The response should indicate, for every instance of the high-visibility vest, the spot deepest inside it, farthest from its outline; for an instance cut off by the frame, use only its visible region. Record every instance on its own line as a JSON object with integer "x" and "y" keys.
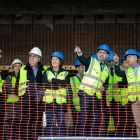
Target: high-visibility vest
{"x": 61, "y": 94}
{"x": 111, "y": 126}
{"x": 1, "y": 83}
{"x": 93, "y": 78}
{"x": 12, "y": 97}
{"x": 133, "y": 84}
{"x": 23, "y": 80}
{"x": 75, "y": 84}
{"x": 113, "y": 93}
{"x": 124, "y": 92}
{"x": 124, "y": 95}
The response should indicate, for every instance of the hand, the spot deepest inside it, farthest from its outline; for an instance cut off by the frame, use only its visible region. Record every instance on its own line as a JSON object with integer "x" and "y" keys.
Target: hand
{"x": 115, "y": 86}
{"x": 101, "y": 89}
{"x": 50, "y": 81}
{"x": 116, "y": 58}
{"x": 77, "y": 49}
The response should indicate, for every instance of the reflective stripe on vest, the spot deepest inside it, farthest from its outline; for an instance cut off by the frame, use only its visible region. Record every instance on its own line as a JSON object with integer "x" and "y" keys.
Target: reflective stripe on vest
{"x": 12, "y": 97}
{"x": 60, "y": 94}
{"x": 23, "y": 80}
{"x": 75, "y": 83}
{"x": 93, "y": 78}
{"x": 133, "y": 84}
{"x": 54, "y": 94}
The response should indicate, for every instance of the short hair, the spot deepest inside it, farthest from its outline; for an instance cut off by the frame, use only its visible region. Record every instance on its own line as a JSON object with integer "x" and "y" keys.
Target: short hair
{"x": 60, "y": 65}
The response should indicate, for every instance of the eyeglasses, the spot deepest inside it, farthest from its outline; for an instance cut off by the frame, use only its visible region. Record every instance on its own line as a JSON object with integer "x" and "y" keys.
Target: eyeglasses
{"x": 34, "y": 56}
{"x": 102, "y": 52}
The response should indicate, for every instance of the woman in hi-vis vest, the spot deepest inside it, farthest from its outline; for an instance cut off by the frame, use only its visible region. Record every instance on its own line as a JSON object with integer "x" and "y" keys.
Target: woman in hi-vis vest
{"x": 12, "y": 114}
{"x": 55, "y": 80}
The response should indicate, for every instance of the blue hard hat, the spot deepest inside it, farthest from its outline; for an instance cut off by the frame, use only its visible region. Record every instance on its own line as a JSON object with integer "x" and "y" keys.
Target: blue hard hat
{"x": 131, "y": 52}
{"x": 94, "y": 56}
{"x": 104, "y": 47}
{"x": 123, "y": 58}
{"x": 78, "y": 63}
{"x": 139, "y": 54}
{"x": 111, "y": 56}
{"x": 58, "y": 54}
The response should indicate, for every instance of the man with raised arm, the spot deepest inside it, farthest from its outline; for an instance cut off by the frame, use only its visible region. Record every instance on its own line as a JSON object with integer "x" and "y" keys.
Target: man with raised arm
{"x": 95, "y": 75}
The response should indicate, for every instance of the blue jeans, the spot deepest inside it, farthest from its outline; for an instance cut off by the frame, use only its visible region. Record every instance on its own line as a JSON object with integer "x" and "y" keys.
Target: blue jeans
{"x": 90, "y": 109}
{"x": 60, "y": 117}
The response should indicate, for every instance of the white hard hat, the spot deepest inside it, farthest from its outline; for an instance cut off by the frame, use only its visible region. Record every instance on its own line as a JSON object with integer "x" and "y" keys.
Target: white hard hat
{"x": 1, "y": 50}
{"x": 36, "y": 50}
{"x": 16, "y": 61}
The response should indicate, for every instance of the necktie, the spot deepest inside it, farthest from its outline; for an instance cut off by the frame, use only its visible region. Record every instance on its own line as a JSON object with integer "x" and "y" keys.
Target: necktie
{"x": 101, "y": 64}
{"x": 112, "y": 73}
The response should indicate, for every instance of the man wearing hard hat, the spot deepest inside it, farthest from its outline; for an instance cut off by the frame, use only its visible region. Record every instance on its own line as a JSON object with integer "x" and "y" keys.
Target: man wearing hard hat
{"x": 12, "y": 114}
{"x": 30, "y": 79}
{"x": 116, "y": 104}
{"x": 95, "y": 75}
{"x": 74, "y": 88}
{"x": 132, "y": 74}
{"x": 2, "y": 105}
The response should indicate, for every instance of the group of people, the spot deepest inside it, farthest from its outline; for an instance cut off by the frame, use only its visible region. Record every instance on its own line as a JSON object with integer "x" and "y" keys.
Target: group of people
{"x": 102, "y": 83}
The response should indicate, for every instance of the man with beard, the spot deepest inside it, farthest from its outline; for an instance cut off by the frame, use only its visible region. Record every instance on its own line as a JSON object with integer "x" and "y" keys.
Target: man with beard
{"x": 95, "y": 75}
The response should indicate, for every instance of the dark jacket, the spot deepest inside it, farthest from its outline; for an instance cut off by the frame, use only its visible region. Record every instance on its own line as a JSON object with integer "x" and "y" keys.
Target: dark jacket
{"x": 119, "y": 72}
{"x": 84, "y": 61}
{"x": 121, "y": 84}
{"x": 56, "y": 83}
{"x": 35, "y": 83}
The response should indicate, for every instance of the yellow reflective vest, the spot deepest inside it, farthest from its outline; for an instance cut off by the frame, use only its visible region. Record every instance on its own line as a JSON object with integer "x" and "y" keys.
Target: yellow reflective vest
{"x": 1, "y": 83}
{"x": 133, "y": 84}
{"x": 61, "y": 94}
{"x": 93, "y": 78}
{"x": 75, "y": 84}
{"x": 124, "y": 92}
{"x": 113, "y": 93}
{"x": 23, "y": 80}
{"x": 111, "y": 126}
{"x": 12, "y": 97}
{"x": 124, "y": 95}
